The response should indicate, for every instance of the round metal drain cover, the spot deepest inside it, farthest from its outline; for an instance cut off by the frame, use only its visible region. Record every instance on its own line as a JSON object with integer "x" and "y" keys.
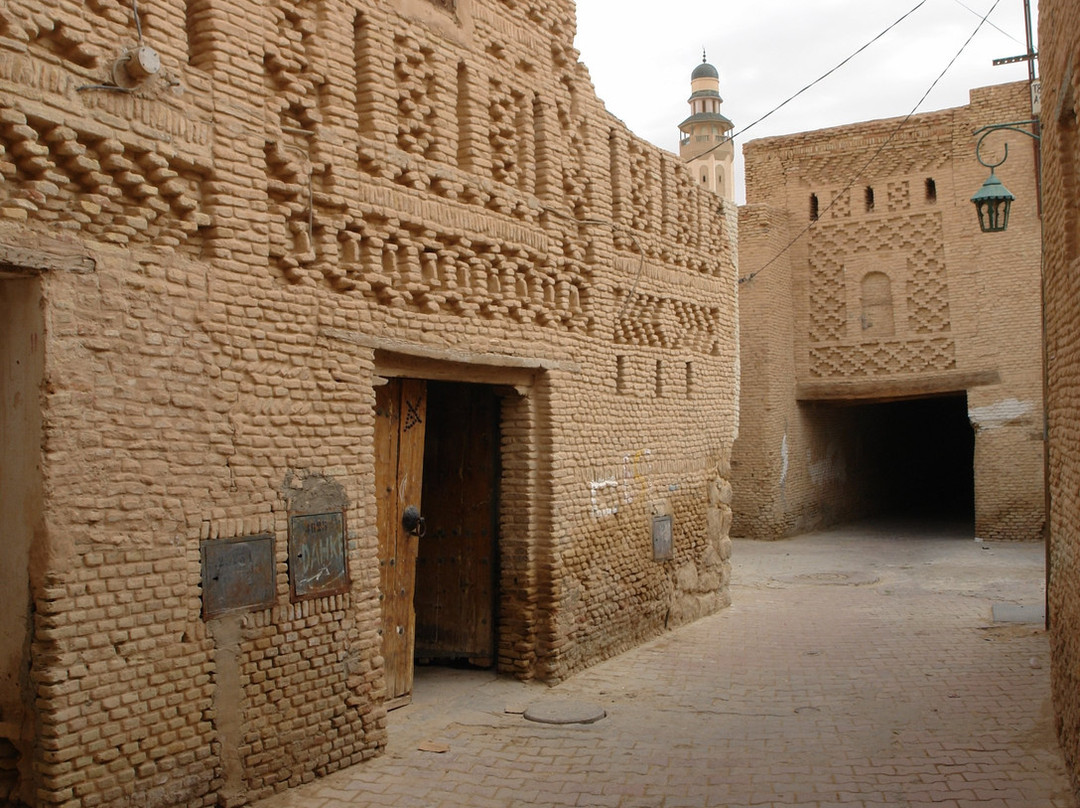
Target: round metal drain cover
{"x": 564, "y": 712}
{"x": 824, "y": 577}
{"x": 836, "y": 578}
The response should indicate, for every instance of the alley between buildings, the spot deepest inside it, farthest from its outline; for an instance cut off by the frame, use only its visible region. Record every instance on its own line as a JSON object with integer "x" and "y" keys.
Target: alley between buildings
{"x": 872, "y": 665}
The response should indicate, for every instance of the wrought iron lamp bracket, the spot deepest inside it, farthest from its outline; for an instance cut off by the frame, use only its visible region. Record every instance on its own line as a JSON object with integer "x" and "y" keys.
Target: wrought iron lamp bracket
{"x": 986, "y": 131}
{"x": 993, "y": 200}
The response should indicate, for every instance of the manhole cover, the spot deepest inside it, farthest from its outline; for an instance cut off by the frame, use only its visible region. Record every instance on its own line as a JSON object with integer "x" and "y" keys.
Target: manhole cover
{"x": 824, "y": 577}
{"x": 834, "y": 578}
{"x": 564, "y": 712}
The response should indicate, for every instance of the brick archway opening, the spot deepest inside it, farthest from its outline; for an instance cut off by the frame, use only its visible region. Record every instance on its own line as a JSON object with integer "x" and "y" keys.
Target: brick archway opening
{"x": 923, "y": 461}
{"x": 909, "y": 459}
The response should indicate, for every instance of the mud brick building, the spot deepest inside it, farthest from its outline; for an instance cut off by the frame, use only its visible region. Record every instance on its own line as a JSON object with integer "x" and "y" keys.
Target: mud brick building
{"x": 1059, "y": 46}
{"x": 332, "y": 335}
{"x": 891, "y": 359}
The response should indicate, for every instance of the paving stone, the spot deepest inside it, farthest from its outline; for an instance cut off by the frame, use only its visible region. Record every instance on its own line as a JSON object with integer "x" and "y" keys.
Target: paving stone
{"x": 883, "y": 687}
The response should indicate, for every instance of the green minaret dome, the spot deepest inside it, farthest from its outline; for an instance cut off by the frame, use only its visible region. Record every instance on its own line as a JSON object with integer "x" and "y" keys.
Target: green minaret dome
{"x": 705, "y": 71}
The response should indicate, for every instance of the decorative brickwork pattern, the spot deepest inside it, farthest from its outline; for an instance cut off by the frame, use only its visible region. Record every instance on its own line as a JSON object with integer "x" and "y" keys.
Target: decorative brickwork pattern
{"x": 834, "y": 264}
{"x": 883, "y": 358}
{"x": 917, "y": 149}
{"x": 123, "y": 192}
{"x": 292, "y": 83}
{"x": 840, "y": 207}
{"x": 455, "y": 275}
{"x": 415, "y": 69}
{"x": 208, "y": 274}
{"x": 669, "y": 324}
{"x": 643, "y": 203}
{"x": 890, "y": 294}
{"x": 899, "y": 196}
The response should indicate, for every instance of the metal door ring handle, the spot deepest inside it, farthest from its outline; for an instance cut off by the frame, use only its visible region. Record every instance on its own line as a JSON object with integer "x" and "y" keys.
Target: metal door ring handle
{"x": 413, "y": 522}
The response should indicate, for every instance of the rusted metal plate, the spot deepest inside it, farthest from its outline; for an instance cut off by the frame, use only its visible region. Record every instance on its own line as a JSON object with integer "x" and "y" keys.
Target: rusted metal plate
{"x": 317, "y": 564}
{"x": 237, "y": 574}
{"x": 662, "y": 542}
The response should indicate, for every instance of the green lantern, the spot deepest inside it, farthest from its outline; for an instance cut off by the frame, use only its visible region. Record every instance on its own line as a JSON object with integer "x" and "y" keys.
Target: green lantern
{"x": 992, "y": 201}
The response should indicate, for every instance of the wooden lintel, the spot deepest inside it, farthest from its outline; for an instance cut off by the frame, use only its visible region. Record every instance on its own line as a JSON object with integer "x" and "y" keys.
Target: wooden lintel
{"x": 405, "y": 359}
{"x": 894, "y": 389}
{"x": 24, "y": 261}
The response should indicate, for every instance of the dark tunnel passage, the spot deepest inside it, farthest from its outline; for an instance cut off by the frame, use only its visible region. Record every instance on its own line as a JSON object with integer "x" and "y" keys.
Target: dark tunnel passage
{"x": 926, "y": 451}
{"x": 911, "y": 459}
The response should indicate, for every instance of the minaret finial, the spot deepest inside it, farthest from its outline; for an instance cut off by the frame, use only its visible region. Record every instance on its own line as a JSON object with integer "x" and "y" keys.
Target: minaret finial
{"x": 703, "y": 58}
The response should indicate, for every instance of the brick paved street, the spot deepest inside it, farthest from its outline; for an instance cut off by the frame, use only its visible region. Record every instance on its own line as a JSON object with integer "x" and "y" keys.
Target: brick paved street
{"x": 859, "y": 667}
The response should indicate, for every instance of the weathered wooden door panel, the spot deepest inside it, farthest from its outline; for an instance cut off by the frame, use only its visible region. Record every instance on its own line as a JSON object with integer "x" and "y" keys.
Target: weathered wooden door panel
{"x": 400, "y": 422}
{"x": 455, "y": 603}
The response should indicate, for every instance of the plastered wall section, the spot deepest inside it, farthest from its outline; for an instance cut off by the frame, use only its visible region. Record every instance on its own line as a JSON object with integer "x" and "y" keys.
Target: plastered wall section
{"x": 890, "y": 202}
{"x": 229, "y": 253}
{"x": 1059, "y": 44}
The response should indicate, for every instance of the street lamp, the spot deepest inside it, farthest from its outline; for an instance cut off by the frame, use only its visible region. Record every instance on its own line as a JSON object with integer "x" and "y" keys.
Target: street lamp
{"x": 993, "y": 200}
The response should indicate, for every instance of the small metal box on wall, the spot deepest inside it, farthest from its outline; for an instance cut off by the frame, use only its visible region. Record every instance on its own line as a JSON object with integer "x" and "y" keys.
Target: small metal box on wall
{"x": 662, "y": 540}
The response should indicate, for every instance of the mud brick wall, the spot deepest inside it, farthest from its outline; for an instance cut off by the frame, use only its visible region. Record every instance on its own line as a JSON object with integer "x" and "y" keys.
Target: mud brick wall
{"x": 206, "y": 270}
{"x": 1059, "y": 44}
{"x": 880, "y": 212}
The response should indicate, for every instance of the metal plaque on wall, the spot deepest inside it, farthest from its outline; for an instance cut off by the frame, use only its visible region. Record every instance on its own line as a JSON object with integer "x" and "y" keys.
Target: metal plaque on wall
{"x": 662, "y": 543}
{"x": 317, "y": 555}
{"x": 237, "y": 574}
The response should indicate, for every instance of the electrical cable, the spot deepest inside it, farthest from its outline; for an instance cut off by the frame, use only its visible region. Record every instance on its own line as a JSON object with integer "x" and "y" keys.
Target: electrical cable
{"x": 997, "y": 28}
{"x": 815, "y": 82}
{"x": 138, "y": 22}
{"x": 892, "y": 136}
{"x": 116, "y": 87}
{"x": 113, "y": 88}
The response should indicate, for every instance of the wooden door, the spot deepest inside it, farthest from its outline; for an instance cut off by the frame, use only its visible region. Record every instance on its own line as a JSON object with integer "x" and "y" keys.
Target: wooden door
{"x": 400, "y": 423}
{"x": 456, "y": 568}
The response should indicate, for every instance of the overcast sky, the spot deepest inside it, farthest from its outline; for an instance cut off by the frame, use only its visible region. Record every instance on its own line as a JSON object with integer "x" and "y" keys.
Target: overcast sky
{"x": 640, "y": 54}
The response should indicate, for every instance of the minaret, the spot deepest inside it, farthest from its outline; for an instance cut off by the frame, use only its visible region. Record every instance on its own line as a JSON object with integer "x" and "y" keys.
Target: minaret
{"x": 704, "y": 140}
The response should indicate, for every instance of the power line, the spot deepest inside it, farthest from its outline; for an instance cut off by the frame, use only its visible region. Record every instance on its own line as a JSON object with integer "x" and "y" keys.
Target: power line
{"x": 992, "y": 25}
{"x": 815, "y": 82}
{"x": 876, "y": 154}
